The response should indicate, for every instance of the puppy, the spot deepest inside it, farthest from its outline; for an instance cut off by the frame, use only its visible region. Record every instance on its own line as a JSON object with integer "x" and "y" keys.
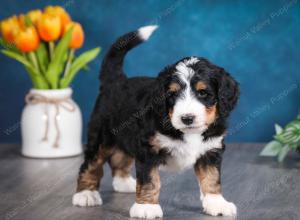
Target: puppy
{"x": 174, "y": 121}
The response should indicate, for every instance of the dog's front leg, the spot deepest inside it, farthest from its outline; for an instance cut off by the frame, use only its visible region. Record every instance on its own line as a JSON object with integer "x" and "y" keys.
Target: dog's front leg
{"x": 147, "y": 192}
{"x": 207, "y": 169}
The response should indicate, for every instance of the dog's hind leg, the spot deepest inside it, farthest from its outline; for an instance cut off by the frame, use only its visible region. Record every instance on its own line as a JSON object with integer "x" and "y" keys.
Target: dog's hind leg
{"x": 89, "y": 179}
{"x": 121, "y": 165}
{"x": 91, "y": 171}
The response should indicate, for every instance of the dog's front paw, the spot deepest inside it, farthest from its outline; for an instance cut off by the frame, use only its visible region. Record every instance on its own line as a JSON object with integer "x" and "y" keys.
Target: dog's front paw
{"x": 124, "y": 184}
{"x": 215, "y": 204}
{"x": 87, "y": 198}
{"x": 147, "y": 211}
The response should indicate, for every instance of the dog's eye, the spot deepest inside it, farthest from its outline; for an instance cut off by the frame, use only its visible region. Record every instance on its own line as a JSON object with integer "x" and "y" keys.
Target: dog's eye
{"x": 172, "y": 93}
{"x": 202, "y": 93}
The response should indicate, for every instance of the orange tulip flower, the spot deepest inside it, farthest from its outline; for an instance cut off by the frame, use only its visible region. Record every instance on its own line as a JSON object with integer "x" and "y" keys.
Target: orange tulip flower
{"x": 27, "y": 39}
{"x": 21, "y": 20}
{"x": 65, "y": 18}
{"x": 77, "y": 35}
{"x": 35, "y": 16}
{"x": 49, "y": 27}
{"x": 9, "y": 28}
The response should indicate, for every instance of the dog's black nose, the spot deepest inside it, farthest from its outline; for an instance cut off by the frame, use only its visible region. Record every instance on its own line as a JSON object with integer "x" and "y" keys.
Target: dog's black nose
{"x": 187, "y": 119}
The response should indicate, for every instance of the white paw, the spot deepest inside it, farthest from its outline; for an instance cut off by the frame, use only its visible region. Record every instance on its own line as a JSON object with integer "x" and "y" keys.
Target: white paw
{"x": 148, "y": 211}
{"x": 215, "y": 204}
{"x": 87, "y": 198}
{"x": 201, "y": 195}
{"x": 124, "y": 184}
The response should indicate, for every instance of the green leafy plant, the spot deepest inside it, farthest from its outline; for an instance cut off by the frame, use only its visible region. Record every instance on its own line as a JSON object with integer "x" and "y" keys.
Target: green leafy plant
{"x": 285, "y": 139}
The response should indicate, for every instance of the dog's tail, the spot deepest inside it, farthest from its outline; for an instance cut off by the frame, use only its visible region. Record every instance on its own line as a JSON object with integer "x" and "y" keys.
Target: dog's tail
{"x": 112, "y": 65}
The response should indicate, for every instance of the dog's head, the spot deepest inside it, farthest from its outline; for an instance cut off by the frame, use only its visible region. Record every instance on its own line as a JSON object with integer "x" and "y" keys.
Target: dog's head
{"x": 195, "y": 94}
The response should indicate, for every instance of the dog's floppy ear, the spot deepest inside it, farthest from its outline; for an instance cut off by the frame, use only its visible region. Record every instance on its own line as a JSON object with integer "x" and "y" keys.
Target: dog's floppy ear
{"x": 228, "y": 93}
{"x": 160, "y": 94}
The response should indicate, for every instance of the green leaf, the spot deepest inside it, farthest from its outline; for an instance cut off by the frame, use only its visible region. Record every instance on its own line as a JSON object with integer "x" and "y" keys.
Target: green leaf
{"x": 56, "y": 65}
{"x": 291, "y": 133}
{"x": 38, "y": 81}
{"x": 278, "y": 129}
{"x": 279, "y": 138}
{"x": 42, "y": 56}
{"x": 271, "y": 149}
{"x": 9, "y": 46}
{"x": 294, "y": 125}
{"x": 82, "y": 61}
{"x": 17, "y": 57}
{"x": 86, "y": 68}
{"x": 283, "y": 152}
{"x": 79, "y": 63}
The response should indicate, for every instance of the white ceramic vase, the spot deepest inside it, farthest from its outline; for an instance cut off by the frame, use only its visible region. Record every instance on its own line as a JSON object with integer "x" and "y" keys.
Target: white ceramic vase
{"x": 51, "y": 124}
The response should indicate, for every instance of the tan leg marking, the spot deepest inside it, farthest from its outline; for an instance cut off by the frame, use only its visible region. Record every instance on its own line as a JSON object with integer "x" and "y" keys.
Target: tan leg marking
{"x": 149, "y": 192}
{"x": 89, "y": 179}
{"x": 209, "y": 179}
{"x": 155, "y": 143}
{"x": 213, "y": 202}
{"x": 120, "y": 164}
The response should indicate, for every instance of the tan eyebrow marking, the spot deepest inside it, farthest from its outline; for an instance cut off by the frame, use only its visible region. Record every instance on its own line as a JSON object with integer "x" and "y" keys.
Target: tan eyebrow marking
{"x": 174, "y": 87}
{"x": 200, "y": 85}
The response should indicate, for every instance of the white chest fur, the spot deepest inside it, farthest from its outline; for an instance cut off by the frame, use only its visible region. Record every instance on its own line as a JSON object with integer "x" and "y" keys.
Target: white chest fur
{"x": 184, "y": 153}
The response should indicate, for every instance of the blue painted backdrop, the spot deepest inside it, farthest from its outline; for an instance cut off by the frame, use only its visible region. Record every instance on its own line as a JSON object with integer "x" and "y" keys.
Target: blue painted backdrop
{"x": 258, "y": 42}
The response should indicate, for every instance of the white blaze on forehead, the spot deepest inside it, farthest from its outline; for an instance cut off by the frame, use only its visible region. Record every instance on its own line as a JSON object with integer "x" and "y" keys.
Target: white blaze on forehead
{"x": 191, "y": 61}
{"x": 184, "y": 71}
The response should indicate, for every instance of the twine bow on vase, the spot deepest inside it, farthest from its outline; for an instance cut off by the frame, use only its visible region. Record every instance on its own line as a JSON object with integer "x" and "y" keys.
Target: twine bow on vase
{"x": 65, "y": 103}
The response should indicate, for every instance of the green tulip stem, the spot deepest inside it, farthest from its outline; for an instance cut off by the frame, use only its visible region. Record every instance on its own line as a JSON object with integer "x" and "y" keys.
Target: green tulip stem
{"x": 33, "y": 59}
{"x": 69, "y": 62}
{"x": 38, "y": 81}
{"x": 51, "y": 49}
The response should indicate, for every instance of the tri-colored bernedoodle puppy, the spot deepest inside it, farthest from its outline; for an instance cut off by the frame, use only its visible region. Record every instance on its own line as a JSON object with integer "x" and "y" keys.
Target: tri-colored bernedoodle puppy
{"x": 174, "y": 121}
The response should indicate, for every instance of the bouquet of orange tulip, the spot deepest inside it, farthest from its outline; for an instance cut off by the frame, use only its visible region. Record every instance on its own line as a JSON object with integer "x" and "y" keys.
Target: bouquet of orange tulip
{"x": 45, "y": 43}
